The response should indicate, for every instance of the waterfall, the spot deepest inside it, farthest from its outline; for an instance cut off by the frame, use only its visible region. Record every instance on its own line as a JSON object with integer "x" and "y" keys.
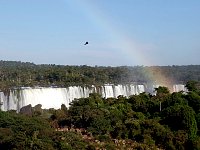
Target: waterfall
{"x": 55, "y": 97}
{"x": 179, "y": 87}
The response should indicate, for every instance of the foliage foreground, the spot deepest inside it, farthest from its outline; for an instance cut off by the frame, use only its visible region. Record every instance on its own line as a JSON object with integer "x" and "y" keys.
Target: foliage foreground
{"x": 163, "y": 121}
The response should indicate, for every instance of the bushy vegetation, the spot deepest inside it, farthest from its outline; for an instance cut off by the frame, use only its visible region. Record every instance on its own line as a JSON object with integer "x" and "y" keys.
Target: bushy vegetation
{"x": 164, "y": 121}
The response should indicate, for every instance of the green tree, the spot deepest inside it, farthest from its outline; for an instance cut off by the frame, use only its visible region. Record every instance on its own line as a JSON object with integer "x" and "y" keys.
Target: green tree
{"x": 193, "y": 101}
{"x": 181, "y": 117}
{"x": 192, "y": 86}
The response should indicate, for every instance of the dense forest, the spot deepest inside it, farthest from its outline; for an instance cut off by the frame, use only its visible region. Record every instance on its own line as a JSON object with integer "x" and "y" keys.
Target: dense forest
{"x": 166, "y": 120}
{"x": 18, "y": 74}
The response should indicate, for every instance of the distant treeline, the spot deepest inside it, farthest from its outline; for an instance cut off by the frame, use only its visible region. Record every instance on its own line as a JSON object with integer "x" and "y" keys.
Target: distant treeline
{"x": 18, "y": 74}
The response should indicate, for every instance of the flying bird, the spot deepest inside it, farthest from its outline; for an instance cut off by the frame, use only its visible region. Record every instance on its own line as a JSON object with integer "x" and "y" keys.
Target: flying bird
{"x": 86, "y": 43}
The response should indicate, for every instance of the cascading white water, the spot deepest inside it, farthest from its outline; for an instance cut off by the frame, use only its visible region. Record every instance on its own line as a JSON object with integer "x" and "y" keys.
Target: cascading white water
{"x": 55, "y": 97}
{"x": 179, "y": 87}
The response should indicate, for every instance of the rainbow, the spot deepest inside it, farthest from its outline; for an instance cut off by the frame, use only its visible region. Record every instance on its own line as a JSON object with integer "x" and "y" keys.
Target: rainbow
{"x": 128, "y": 46}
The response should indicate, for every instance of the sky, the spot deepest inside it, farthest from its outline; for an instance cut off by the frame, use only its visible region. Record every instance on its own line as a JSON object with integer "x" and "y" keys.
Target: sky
{"x": 119, "y": 32}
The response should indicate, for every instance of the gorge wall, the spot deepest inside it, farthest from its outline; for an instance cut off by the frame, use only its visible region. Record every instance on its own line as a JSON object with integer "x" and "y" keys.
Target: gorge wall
{"x": 55, "y": 97}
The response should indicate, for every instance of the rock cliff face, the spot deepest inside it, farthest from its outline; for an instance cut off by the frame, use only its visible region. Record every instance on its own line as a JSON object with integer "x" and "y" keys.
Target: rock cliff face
{"x": 55, "y": 97}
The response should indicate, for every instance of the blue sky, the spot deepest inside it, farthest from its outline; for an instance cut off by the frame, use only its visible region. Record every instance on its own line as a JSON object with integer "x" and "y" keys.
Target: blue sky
{"x": 119, "y": 32}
